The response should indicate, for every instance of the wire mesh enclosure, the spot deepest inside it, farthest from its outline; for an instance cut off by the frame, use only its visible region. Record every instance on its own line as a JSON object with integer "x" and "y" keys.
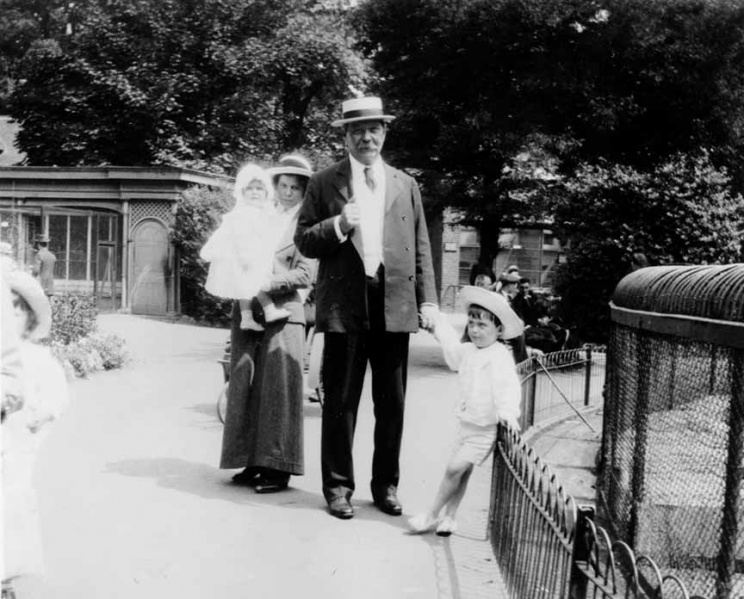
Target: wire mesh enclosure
{"x": 673, "y": 442}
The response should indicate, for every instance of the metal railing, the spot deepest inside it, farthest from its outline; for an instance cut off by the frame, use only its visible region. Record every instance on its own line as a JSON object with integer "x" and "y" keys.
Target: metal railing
{"x": 558, "y": 384}
{"x": 547, "y": 547}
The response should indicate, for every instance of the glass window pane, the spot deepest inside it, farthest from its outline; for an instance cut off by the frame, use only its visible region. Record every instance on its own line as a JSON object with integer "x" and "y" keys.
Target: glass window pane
{"x": 78, "y": 247}
{"x": 58, "y": 243}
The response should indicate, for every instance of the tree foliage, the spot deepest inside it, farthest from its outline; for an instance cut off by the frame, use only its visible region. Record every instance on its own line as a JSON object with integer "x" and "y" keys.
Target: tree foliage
{"x": 199, "y": 83}
{"x": 479, "y": 83}
{"x": 683, "y": 211}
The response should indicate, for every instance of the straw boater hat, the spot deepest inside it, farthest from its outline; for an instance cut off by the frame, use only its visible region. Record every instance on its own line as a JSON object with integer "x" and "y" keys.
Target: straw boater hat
{"x": 42, "y": 238}
{"x": 496, "y": 304}
{"x": 293, "y": 164}
{"x": 362, "y": 109}
{"x": 30, "y": 290}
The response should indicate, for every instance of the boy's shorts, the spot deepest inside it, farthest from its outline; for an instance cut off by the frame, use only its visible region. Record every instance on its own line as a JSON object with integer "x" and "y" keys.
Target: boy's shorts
{"x": 474, "y": 443}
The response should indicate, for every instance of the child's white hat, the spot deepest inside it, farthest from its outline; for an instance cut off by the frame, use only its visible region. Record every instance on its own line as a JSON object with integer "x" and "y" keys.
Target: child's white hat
{"x": 497, "y": 305}
{"x": 30, "y": 290}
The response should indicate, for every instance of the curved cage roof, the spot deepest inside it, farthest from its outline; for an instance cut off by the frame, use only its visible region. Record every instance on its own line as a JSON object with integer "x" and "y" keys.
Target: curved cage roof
{"x": 711, "y": 292}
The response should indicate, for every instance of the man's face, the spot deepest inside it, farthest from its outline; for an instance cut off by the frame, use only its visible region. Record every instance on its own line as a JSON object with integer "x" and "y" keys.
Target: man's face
{"x": 524, "y": 288}
{"x": 365, "y": 139}
{"x": 509, "y": 290}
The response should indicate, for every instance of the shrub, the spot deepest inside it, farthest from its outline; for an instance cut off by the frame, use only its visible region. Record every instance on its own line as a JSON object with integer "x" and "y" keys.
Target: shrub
{"x": 683, "y": 211}
{"x": 198, "y": 214}
{"x": 98, "y": 351}
{"x": 73, "y": 317}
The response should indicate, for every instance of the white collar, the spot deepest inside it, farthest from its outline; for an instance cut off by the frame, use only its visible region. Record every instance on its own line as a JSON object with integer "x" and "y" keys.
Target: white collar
{"x": 358, "y": 168}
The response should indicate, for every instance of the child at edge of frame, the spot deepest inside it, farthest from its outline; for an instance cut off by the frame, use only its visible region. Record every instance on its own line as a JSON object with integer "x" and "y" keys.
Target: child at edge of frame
{"x": 489, "y": 394}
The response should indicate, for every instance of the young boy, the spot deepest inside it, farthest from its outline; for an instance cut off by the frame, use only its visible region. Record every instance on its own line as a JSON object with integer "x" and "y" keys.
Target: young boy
{"x": 489, "y": 394}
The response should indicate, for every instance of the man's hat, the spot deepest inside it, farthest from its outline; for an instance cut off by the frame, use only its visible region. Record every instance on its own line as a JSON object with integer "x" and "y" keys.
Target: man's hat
{"x": 42, "y": 238}
{"x": 362, "y": 109}
{"x": 292, "y": 164}
{"x": 29, "y": 289}
{"x": 497, "y": 305}
{"x": 513, "y": 268}
{"x": 508, "y": 278}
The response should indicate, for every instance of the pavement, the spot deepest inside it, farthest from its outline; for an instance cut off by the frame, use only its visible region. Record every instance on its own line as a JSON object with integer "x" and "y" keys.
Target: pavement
{"x": 133, "y": 505}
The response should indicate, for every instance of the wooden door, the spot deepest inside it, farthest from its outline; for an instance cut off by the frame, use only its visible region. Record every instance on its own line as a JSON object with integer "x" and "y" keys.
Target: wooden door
{"x": 150, "y": 269}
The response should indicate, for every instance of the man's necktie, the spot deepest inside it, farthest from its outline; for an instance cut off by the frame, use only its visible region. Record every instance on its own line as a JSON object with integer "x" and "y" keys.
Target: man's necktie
{"x": 369, "y": 177}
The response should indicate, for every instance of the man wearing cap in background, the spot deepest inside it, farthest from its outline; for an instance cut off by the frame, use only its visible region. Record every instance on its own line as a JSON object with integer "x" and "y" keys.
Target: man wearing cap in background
{"x": 364, "y": 221}
{"x": 44, "y": 264}
{"x": 509, "y": 287}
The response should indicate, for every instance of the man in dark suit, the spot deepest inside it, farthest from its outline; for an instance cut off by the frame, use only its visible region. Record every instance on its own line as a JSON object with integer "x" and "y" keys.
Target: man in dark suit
{"x": 364, "y": 221}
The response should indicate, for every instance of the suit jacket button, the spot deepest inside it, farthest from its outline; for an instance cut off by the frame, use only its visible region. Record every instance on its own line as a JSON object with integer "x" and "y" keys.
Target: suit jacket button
{"x": 410, "y": 278}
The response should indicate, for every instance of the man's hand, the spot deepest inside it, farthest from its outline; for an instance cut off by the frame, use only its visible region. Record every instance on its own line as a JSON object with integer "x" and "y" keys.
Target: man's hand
{"x": 428, "y": 316}
{"x": 350, "y": 216}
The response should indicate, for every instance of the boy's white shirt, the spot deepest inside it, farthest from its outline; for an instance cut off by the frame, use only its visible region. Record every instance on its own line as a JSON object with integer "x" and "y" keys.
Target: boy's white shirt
{"x": 489, "y": 385}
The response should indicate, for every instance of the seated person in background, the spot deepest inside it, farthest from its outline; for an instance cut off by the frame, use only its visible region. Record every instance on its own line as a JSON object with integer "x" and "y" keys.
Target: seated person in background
{"x": 523, "y": 303}
{"x": 545, "y": 334}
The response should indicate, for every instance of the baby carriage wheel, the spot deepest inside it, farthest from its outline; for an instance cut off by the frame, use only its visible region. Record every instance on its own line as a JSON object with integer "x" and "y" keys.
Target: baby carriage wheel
{"x": 222, "y": 403}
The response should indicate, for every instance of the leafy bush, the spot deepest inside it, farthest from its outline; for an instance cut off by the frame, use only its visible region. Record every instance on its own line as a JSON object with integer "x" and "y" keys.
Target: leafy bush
{"x": 96, "y": 352}
{"x": 73, "y": 317}
{"x": 198, "y": 214}
{"x": 681, "y": 212}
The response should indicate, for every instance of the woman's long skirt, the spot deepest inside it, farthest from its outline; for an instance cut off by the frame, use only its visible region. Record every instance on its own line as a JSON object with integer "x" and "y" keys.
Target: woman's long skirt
{"x": 264, "y": 420}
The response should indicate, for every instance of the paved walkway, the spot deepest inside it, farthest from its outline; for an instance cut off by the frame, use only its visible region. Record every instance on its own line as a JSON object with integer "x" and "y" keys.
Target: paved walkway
{"x": 133, "y": 505}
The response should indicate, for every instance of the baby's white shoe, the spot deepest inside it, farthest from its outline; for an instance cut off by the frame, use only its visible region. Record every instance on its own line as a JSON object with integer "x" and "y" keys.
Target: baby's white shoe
{"x": 446, "y": 527}
{"x": 247, "y": 322}
{"x": 422, "y": 523}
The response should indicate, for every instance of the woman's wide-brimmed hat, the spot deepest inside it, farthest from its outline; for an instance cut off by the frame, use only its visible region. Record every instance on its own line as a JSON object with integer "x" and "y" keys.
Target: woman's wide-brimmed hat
{"x": 497, "y": 305}
{"x": 362, "y": 109}
{"x": 292, "y": 164}
{"x": 30, "y": 290}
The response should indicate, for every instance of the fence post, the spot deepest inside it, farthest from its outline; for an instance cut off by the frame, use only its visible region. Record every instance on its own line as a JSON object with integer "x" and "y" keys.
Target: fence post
{"x": 530, "y": 411}
{"x": 726, "y": 562}
{"x": 582, "y": 549}
{"x": 588, "y": 374}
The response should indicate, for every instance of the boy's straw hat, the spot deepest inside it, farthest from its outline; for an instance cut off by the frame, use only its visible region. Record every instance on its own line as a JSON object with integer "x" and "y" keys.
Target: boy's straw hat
{"x": 30, "y": 290}
{"x": 497, "y": 305}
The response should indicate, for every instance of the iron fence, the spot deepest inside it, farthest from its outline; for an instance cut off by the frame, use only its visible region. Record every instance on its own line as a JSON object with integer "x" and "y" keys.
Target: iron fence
{"x": 559, "y": 384}
{"x": 548, "y": 547}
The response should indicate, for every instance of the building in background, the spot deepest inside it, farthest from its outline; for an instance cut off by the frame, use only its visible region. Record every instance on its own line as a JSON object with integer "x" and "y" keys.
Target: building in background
{"x": 108, "y": 227}
{"x": 535, "y": 250}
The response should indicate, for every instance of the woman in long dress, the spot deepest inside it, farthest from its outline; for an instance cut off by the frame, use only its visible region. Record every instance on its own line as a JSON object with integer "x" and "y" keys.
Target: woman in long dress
{"x": 263, "y": 431}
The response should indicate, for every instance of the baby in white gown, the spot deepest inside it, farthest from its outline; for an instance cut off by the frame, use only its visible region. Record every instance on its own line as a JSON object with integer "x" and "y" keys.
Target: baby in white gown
{"x": 241, "y": 250}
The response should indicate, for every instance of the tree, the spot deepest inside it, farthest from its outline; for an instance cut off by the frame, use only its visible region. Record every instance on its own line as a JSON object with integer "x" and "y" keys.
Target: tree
{"x": 199, "y": 83}
{"x": 681, "y": 212}
{"x": 479, "y": 83}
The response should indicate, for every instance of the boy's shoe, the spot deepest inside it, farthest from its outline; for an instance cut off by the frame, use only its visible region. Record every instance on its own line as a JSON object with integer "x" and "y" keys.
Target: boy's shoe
{"x": 446, "y": 527}
{"x": 247, "y": 322}
{"x": 422, "y": 523}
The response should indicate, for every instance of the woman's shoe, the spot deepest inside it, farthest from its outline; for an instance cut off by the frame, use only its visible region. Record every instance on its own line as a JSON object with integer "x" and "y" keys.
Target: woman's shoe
{"x": 249, "y": 476}
{"x": 422, "y": 523}
{"x": 272, "y": 484}
{"x": 446, "y": 527}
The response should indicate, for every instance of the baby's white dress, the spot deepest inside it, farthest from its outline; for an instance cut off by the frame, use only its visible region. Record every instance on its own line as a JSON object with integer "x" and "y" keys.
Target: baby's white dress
{"x": 241, "y": 251}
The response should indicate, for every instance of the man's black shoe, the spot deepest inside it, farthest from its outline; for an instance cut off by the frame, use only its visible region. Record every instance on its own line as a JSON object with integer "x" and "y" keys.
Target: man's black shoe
{"x": 388, "y": 503}
{"x": 341, "y": 508}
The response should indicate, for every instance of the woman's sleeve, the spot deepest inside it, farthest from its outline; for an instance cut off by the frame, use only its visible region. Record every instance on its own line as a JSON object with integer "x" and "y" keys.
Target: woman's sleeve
{"x": 452, "y": 347}
{"x": 293, "y": 279}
